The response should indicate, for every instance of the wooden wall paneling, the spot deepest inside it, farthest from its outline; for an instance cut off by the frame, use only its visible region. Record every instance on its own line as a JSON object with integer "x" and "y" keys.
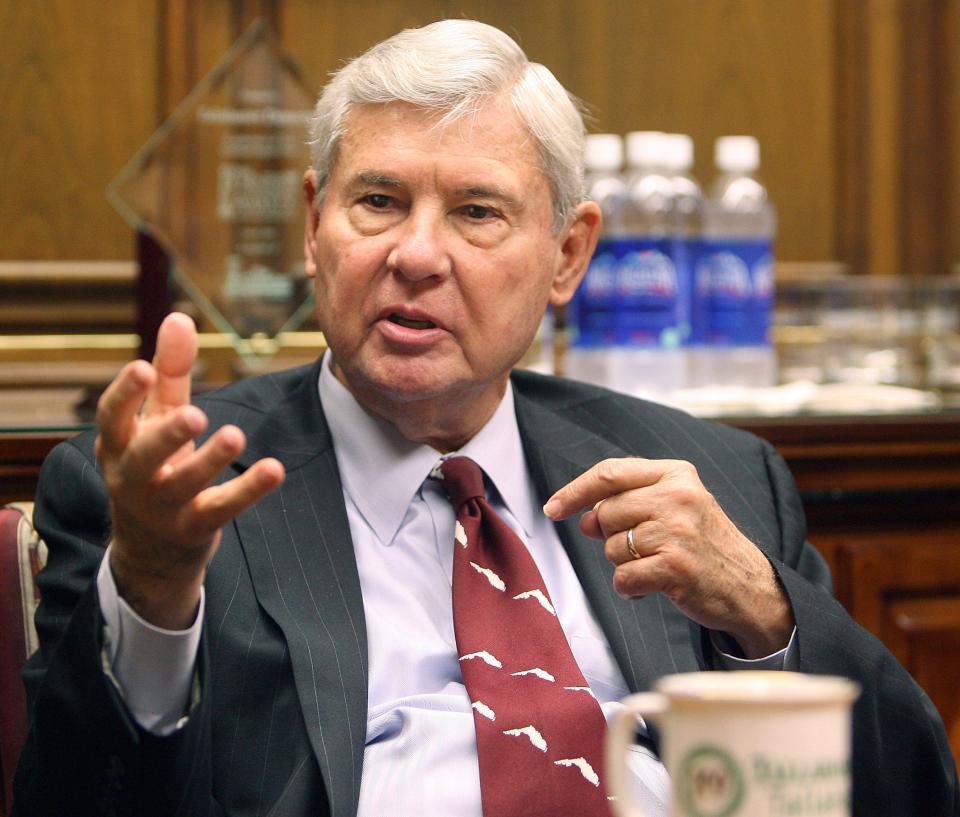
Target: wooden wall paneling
{"x": 950, "y": 34}
{"x": 887, "y": 454}
{"x": 195, "y": 36}
{"x": 852, "y": 116}
{"x": 905, "y": 588}
{"x": 926, "y": 143}
{"x": 38, "y": 297}
{"x": 924, "y": 634}
{"x": 710, "y": 69}
{"x": 244, "y": 12}
{"x": 176, "y": 58}
{"x": 897, "y": 105}
{"x": 321, "y": 36}
{"x": 764, "y": 69}
{"x": 884, "y": 66}
{"x": 876, "y": 568}
{"x": 867, "y": 68}
{"x": 76, "y": 91}
{"x": 793, "y": 110}
{"x": 179, "y": 71}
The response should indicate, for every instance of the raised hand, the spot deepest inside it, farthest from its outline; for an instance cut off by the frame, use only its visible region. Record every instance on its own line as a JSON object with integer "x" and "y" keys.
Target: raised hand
{"x": 683, "y": 545}
{"x": 166, "y": 516}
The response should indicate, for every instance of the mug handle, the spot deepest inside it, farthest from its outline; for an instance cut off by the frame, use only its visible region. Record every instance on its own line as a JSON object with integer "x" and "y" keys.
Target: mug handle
{"x": 620, "y": 736}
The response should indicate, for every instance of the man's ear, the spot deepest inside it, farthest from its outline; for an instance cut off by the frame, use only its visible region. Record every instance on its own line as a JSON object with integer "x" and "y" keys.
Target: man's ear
{"x": 578, "y": 240}
{"x": 311, "y": 221}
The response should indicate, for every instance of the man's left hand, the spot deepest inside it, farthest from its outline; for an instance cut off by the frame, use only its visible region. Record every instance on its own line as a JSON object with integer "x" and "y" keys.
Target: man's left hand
{"x": 686, "y": 548}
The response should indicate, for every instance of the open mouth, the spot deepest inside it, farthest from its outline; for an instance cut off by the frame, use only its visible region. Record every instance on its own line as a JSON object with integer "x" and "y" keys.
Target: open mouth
{"x": 411, "y": 323}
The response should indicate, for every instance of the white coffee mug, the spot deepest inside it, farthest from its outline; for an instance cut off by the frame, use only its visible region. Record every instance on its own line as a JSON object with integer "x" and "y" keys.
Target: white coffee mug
{"x": 743, "y": 744}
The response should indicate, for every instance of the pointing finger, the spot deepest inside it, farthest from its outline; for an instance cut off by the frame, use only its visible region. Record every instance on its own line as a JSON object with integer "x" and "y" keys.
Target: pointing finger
{"x": 606, "y": 479}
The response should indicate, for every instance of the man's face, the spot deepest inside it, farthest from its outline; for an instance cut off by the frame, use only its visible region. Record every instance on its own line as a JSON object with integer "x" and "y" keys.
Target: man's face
{"x": 433, "y": 255}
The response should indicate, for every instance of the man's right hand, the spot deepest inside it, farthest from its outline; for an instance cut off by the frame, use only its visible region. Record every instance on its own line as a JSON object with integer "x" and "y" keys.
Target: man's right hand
{"x": 166, "y": 516}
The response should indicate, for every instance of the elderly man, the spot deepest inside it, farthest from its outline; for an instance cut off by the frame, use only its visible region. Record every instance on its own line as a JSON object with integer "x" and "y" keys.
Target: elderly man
{"x": 359, "y": 588}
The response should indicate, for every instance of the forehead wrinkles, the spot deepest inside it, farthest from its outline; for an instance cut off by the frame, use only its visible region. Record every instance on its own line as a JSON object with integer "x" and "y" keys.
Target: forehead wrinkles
{"x": 491, "y": 123}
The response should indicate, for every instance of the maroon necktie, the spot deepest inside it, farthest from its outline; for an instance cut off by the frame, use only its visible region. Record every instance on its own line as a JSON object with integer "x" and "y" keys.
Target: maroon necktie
{"x": 539, "y": 729}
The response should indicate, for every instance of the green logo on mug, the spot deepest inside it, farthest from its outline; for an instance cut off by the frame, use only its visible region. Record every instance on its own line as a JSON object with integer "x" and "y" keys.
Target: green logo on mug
{"x": 709, "y": 783}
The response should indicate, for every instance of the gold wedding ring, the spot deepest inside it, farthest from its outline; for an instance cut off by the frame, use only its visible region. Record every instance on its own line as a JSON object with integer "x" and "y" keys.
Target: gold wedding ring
{"x": 631, "y": 548}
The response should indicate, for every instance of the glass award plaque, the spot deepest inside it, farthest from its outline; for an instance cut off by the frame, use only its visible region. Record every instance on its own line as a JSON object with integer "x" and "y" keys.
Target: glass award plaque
{"x": 219, "y": 186}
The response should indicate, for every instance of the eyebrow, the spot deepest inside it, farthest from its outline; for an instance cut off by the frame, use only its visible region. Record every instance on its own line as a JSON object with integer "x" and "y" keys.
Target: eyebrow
{"x": 374, "y": 177}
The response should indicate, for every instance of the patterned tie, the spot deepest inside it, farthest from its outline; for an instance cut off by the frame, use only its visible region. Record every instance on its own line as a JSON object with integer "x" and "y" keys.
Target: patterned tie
{"x": 539, "y": 728}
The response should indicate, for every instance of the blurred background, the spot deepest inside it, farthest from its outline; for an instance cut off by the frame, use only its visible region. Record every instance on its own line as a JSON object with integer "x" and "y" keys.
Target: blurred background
{"x": 855, "y": 105}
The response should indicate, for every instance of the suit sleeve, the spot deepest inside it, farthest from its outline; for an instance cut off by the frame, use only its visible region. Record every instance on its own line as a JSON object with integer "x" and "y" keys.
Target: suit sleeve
{"x": 85, "y": 755}
{"x": 902, "y": 762}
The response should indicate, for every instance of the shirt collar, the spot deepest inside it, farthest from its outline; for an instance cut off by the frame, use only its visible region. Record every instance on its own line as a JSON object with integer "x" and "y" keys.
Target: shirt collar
{"x": 382, "y": 471}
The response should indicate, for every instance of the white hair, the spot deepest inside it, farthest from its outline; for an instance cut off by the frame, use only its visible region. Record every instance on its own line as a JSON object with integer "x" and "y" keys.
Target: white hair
{"x": 453, "y": 67}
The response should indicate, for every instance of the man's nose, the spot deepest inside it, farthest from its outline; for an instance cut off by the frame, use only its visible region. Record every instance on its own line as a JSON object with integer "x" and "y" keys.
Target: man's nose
{"x": 422, "y": 247}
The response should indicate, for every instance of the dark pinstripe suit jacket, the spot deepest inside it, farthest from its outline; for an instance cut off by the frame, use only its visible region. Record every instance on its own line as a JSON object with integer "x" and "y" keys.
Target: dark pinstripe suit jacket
{"x": 279, "y": 719}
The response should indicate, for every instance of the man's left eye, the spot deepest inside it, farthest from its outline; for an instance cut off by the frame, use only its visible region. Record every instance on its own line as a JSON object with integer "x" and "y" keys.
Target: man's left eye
{"x": 478, "y": 212}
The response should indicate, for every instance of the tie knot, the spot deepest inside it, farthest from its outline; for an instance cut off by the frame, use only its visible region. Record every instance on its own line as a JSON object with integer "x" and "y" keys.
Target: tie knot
{"x": 462, "y": 479}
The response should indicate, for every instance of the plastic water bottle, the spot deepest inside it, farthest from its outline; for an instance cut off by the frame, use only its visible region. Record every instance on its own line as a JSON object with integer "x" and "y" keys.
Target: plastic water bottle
{"x": 734, "y": 280}
{"x": 685, "y": 227}
{"x": 648, "y": 358}
{"x": 592, "y": 311}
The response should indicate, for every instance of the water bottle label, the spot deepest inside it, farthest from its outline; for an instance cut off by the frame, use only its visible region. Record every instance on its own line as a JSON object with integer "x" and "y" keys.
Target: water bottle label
{"x": 733, "y": 293}
{"x": 647, "y": 294}
{"x": 594, "y": 305}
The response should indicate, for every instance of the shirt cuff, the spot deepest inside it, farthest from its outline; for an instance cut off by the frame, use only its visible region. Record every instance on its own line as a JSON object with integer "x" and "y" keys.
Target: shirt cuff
{"x": 152, "y": 668}
{"x": 786, "y": 659}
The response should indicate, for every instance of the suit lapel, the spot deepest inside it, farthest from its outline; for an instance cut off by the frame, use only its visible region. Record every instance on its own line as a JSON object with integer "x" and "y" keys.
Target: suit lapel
{"x": 298, "y": 547}
{"x": 648, "y": 636}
